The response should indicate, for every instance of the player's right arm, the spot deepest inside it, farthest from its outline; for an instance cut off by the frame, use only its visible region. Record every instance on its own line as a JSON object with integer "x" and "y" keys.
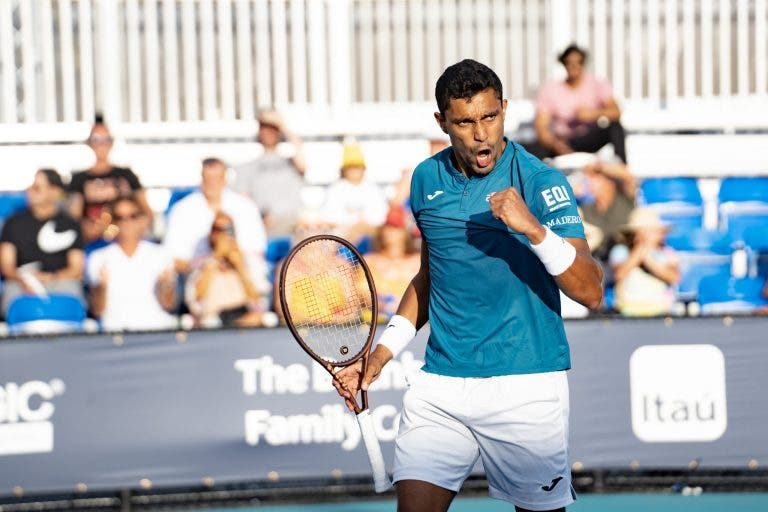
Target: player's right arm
{"x": 413, "y": 307}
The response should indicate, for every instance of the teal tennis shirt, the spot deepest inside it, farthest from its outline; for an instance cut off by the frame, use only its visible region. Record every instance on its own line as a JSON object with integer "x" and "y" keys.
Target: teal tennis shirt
{"x": 493, "y": 308}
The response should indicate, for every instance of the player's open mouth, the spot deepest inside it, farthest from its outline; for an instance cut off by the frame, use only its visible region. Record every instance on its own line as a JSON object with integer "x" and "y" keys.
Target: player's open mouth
{"x": 483, "y": 158}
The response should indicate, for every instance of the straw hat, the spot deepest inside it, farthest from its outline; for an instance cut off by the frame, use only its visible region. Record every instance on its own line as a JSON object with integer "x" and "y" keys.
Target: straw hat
{"x": 352, "y": 156}
{"x": 644, "y": 217}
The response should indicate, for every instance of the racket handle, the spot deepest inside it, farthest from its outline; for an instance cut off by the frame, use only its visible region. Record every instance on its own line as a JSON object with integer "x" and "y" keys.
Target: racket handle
{"x": 381, "y": 481}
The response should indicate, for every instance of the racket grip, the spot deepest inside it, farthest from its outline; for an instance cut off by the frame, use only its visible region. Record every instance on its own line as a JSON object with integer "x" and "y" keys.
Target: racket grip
{"x": 381, "y": 481}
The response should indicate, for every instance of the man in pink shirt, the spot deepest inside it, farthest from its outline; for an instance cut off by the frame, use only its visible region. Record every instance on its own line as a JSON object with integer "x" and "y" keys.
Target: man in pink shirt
{"x": 577, "y": 114}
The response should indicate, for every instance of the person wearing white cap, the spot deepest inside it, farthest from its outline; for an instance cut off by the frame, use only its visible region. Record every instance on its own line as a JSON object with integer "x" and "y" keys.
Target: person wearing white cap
{"x": 273, "y": 181}
{"x": 645, "y": 268}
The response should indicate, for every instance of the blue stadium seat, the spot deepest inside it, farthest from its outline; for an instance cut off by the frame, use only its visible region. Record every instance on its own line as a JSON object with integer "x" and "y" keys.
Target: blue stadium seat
{"x": 700, "y": 240}
{"x": 278, "y": 248}
{"x": 743, "y": 205}
{"x": 723, "y": 294}
{"x": 54, "y": 313}
{"x": 677, "y": 200}
{"x": 670, "y": 190}
{"x": 743, "y": 189}
{"x": 10, "y": 203}
{"x": 177, "y": 194}
{"x": 698, "y": 265}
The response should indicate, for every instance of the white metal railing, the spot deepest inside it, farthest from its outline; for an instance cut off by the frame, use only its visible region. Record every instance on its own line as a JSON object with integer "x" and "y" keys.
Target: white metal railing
{"x": 208, "y": 62}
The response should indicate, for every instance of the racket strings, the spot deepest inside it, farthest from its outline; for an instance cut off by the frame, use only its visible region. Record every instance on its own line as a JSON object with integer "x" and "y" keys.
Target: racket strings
{"x": 330, "y": 300}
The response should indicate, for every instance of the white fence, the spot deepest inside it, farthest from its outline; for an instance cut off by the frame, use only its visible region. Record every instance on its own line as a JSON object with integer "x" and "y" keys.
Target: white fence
{"x": 186, "y": 68}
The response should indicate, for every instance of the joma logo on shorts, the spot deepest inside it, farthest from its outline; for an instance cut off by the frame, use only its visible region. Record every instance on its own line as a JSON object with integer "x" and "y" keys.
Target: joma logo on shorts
{"x": 551, "y": 486}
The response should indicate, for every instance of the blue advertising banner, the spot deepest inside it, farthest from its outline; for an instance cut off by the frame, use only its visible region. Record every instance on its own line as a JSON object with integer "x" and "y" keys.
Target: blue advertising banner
{"x": 162, "y": 409}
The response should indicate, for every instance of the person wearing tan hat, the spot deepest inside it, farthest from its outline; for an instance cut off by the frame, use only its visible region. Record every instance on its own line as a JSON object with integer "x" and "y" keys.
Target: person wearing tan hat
{"x": 354, "y": 206}
{"x": 274, "y": 181}
{"x": 646, "y": 270}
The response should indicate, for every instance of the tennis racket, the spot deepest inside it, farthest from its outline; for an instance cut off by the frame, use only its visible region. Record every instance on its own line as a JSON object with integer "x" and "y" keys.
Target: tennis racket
{"x": 329, "y": 303}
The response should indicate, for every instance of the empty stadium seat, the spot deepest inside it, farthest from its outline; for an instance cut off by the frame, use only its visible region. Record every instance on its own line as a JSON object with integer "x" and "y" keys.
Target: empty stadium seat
{"x": 54, "y": 313}
{"x": 743, "y": 205}
{"x": 670, "y": 190}
{"x": 723, "y": 294}
{"x": 677, "y": 200}
{"x": 700, "y": 240}
{"x": 696, "y": 266}
{"x": 277, "y": 248}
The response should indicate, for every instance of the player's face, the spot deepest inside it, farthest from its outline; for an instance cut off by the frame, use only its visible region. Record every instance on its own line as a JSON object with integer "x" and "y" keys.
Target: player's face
{"x": 476, "y": 129}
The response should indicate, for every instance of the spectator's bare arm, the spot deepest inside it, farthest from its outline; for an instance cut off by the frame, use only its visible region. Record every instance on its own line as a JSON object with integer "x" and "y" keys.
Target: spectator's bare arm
{"x": 75, "y": 205}
{"x": 620, "y": 172}
{"x": 141, "y": 196}
{"x": 669, "y": 272}
{"x": 98, "y": 293}
{"x": 609, "y": 110}
{"x": 165, "y": 290}
{"x": 8, "y": 261}
{"x": 545, "y": 136}
{"x": 74, "y": 268}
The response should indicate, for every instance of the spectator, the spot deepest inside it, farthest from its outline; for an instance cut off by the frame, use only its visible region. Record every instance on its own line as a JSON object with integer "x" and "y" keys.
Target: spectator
{"x": 93, "y": 189}
{"x": 41, "y": 249}
{"x": 646, "y": 269}
{"x": 190, "y": 220}
{"x": 577, "y": 114}
{"x": 219, "y": 291}
{"x": 273, "y": 181}
{"x": 393, "y": 262}
{"x": 607, "y": 197}
{"x": 132, "y": 281}
{"x": 353, "y": 206}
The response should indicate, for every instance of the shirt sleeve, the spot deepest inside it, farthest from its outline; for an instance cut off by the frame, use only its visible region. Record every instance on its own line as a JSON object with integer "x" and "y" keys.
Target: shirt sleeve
{"x": 76, "y": 183}
{"x": 554, "y": 205}
{"x": 93, "y": 265}
{"x": 604, "y": 91}
{"x": 7, "y": 234}
{"x": 132, "y": 179}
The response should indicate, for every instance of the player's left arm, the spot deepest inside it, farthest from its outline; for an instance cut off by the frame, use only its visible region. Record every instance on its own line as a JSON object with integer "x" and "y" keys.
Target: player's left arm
{"x": 578, "y": 275}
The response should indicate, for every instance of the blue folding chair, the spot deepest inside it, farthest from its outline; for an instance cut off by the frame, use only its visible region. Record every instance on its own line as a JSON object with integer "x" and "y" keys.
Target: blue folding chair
{"x": 743, "y": 189}
{"x": 50, "y": 314}
{"x": 10, "y": 203}
{"x": 723, "y": 294}
{"x": 177, "y": 194}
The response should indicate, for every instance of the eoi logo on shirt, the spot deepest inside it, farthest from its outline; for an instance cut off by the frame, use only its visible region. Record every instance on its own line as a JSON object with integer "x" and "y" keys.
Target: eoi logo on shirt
{"x": 556, "y": 197}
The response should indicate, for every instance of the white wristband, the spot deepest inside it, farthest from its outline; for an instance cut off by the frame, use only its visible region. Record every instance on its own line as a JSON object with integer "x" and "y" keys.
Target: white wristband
{"x": 399, "y": 332}
{"x": 555, "y": 253}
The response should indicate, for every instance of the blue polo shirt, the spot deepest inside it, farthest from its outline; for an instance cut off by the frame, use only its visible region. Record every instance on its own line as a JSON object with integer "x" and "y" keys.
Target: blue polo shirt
{"x": 493, "y": 308}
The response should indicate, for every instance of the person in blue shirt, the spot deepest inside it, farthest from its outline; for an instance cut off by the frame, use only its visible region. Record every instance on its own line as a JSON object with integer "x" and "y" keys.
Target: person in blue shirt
{"x": 501, "y": 239}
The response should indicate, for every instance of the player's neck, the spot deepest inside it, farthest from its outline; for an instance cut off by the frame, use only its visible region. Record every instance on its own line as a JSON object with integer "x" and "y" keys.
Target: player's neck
{"x": 43, "y": 211}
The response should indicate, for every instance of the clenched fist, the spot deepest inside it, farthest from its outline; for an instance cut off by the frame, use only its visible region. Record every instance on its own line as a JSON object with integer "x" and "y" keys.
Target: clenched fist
{"x": 509, "y": 207}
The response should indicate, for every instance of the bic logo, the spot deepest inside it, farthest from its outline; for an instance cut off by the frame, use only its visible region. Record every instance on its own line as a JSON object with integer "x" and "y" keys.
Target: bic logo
{"x": 678, "y": 393}
{"x": 25, "y": 413}
{"x": 556, "y": 197}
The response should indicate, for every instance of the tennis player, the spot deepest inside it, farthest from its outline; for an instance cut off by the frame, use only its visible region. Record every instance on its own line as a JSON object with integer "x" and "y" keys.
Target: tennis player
{"x": 501, "y": 238}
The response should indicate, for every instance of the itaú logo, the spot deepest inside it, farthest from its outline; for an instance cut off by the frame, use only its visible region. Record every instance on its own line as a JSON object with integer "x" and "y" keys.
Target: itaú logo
{"x": 25, "y": 413}
{"x": 678, "y": 393}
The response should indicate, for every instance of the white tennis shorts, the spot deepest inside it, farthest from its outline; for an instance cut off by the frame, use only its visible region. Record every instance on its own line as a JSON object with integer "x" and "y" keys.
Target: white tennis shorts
{"x": 516, "y": 424}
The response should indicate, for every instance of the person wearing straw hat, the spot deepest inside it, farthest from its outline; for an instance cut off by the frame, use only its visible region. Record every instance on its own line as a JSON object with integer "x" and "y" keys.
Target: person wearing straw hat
{"x": 646, "y": 270}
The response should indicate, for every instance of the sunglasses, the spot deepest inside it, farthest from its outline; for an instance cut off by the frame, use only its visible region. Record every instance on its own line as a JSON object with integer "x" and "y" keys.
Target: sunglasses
{"x": 228, "y": 229}
{"x": 121, "y": 218}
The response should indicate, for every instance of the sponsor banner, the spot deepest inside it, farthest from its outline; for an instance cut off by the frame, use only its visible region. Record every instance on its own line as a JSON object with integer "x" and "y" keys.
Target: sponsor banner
{"x": 250, "y": 405}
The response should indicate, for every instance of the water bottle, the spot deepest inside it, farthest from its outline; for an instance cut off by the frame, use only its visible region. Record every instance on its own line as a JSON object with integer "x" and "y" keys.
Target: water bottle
{"x": 739, "y": 260}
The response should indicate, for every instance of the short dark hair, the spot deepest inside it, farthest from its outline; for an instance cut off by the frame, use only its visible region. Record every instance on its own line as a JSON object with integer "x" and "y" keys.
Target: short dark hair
{"x": 572, "y": 48}
{"x": 52, "y": 177}
{"x": 463, "y": 80}
{"x": 212, "y": 160}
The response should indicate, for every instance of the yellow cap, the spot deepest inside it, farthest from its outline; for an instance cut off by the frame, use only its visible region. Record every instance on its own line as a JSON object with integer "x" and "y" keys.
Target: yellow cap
{"x": 352, "y": 156}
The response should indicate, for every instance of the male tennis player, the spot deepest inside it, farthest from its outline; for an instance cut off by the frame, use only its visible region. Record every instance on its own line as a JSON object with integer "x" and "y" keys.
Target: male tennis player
{"x": 501, "y": 237}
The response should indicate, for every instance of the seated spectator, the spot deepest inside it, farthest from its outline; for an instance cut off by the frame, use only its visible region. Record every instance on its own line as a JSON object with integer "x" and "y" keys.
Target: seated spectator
{"x": 646, "y": 269}
{"x": 93, "y": 189}
{"x": 132, "y": 281}
{"x": 219, "y": 292}
{"x": 41, "y": 250}
{"x": 190, "y": 221}
{"x": 393, "y": 262}
{"x": 272, "y": 181}
{"x": 607, "y": 196}
{"x": 353, "y": 206}
{"x": 578, "y": 113}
